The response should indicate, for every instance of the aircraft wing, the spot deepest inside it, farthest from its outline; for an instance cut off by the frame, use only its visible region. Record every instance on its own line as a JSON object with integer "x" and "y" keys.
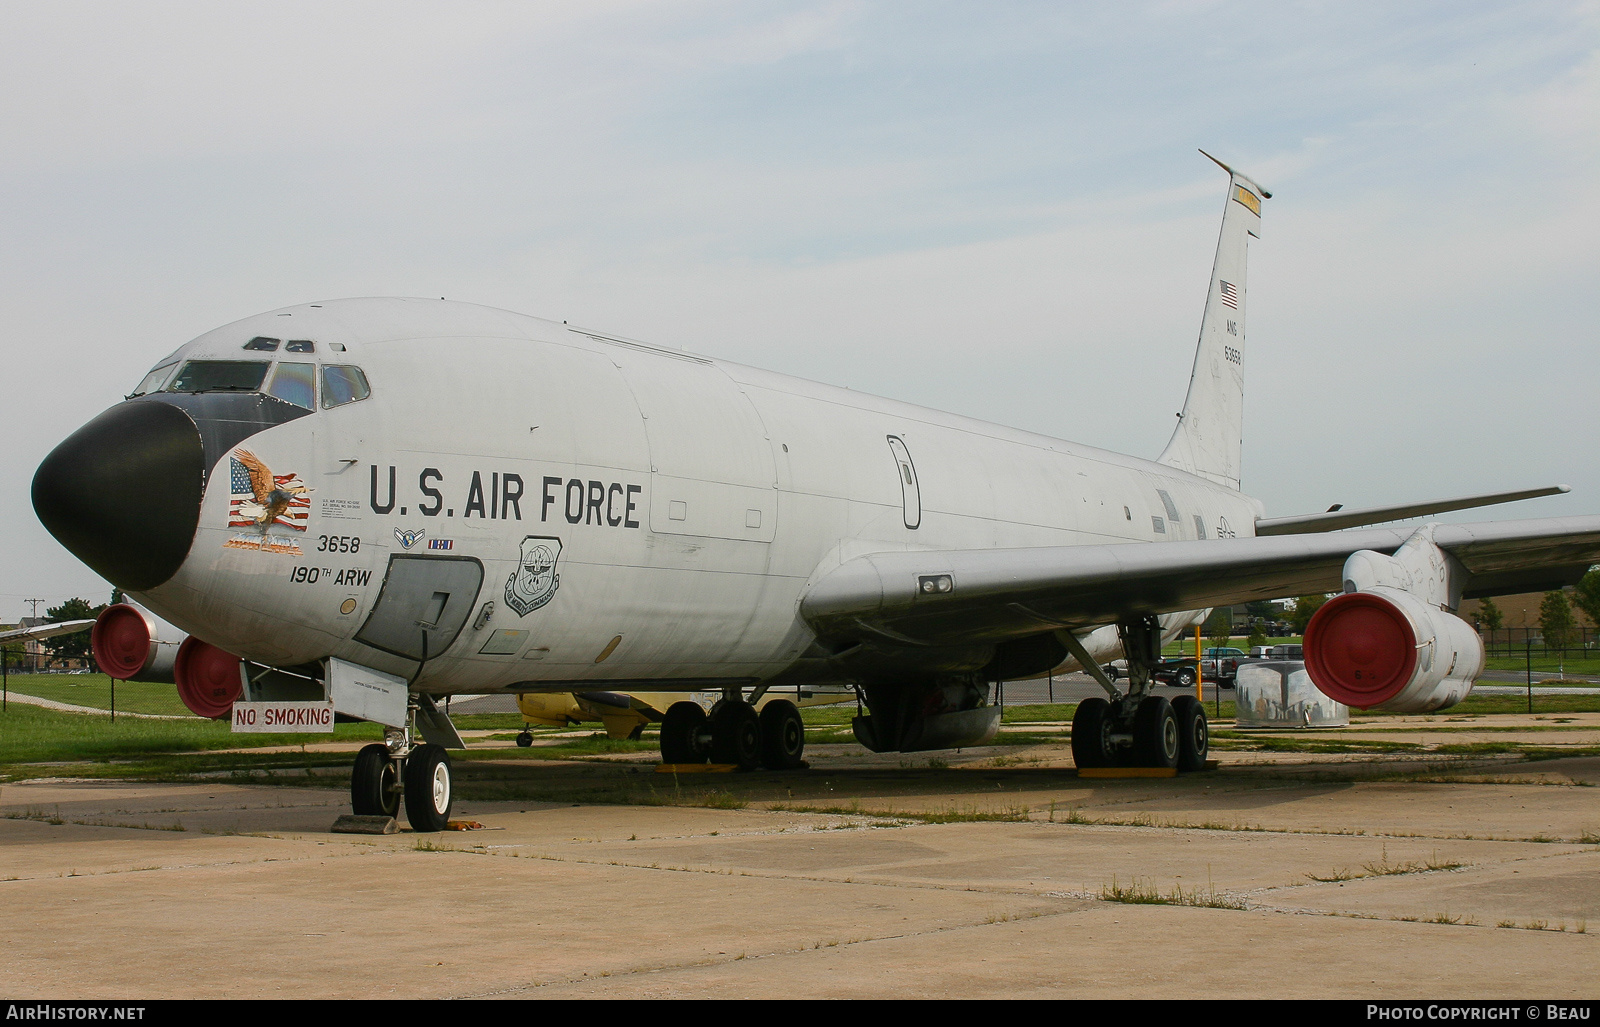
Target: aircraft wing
{"x": 39, "y": 631}
{"x": 946, "y": 597}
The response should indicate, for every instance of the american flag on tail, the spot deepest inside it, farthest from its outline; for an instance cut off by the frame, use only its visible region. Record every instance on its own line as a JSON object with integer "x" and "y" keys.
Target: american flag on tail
{"x": 1230, "y": 295}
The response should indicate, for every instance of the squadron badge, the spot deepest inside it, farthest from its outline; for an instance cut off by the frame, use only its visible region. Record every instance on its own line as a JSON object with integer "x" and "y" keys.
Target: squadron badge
{"x": 407, "y": 537}
{"x": 535, "y": 580}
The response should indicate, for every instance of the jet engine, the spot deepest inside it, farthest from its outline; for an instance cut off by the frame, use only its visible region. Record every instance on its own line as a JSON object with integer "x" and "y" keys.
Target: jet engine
{"x": 1389, "y": 641}
{"x": 131, "y": 644}
{"x": 209, "y": 679}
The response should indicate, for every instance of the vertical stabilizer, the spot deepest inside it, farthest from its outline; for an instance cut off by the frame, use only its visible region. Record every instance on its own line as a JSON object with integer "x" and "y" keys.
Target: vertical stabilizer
{"x": 1211, "y": 427}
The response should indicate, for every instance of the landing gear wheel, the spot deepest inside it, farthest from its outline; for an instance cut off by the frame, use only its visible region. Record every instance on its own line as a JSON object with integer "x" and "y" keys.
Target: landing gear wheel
{"x": 1194, "y": 737}
{"x": 525, "y": 739}
{"x": 680, "y": 730}
{"x": 428, "y": 793}
{"x": 1155, "y": 733}
{"x": 1091, "y": 726}
{"x": 783, "y": 735}
{"x": 1184, "y": 678}
{"x": 375, "y": 783}
{"x": 736, "y": 735}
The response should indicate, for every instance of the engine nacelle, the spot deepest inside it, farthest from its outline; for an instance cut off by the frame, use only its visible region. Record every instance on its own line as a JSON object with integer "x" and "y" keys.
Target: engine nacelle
{"x": 209, "y": 679}
{"x": 1384, "y": 648}
{"x": 132, "y": 645}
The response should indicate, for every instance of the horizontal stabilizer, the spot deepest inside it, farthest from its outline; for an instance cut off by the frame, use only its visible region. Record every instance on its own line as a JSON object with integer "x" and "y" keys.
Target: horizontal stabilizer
{"x": 1336, "y": 519}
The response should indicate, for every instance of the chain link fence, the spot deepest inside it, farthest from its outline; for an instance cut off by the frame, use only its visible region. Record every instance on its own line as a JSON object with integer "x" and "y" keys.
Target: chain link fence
{"x": 1578, "y": 644}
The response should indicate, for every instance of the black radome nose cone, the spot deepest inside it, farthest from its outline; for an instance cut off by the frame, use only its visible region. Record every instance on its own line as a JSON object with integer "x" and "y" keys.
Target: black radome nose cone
{"x": 123, "y": 492}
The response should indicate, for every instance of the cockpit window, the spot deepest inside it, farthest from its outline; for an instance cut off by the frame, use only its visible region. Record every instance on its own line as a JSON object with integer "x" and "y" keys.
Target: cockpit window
{"x": 301, "y": 346}
{"x": 295, "y": 383}
{"x": 152, "y": 381}
{"x": 342, "y": 383}
{"x": 220, "y": 376}
{"x": 266, "y": 345}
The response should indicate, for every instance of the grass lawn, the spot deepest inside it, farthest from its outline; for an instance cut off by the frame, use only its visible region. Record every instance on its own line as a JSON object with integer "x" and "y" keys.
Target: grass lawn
{"x": 36, "y": 742}
{"x": 1576, "y": 663}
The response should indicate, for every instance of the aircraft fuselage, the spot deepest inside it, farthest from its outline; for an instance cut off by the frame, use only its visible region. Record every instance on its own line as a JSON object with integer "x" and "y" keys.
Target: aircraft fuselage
{"x": 606, "y": 490}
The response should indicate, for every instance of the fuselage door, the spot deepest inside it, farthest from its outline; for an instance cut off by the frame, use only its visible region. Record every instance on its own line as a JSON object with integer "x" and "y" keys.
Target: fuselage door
{"x": 425, "y": 603}
{"x": 910, "y": 491}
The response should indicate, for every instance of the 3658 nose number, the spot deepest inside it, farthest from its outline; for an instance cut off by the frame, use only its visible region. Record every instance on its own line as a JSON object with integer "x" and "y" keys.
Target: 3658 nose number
{"x": 338, "y": 543}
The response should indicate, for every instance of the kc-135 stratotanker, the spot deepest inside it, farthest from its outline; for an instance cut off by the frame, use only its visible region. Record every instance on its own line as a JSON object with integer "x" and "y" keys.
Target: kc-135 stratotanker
{"x": 370, "y": 503}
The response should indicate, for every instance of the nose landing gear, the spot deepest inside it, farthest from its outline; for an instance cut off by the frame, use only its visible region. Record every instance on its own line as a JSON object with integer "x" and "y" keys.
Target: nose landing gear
{"x": 386, "y": 773}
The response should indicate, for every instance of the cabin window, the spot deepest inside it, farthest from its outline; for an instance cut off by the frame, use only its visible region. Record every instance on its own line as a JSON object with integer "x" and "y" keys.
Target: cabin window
{"x": 1199, "y": 527}
{"x": 152, "y": 381}
{"x": 342, "y": 383}
{"x": 220, "y": 376}
{"x": 264, "y": 344}
{"x": 295, "y": 383}
{"x": 1159, "y": 525}
{"x": 1166, "y": 501}
{"x": 301, "y": 346}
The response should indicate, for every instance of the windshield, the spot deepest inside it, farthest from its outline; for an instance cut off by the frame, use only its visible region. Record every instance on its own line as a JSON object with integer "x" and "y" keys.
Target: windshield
{"x": 152, "y": 381}
{"x": 342, "y": 383}
{"x": 295, "y": 383}
{"x": 220, "y": 376}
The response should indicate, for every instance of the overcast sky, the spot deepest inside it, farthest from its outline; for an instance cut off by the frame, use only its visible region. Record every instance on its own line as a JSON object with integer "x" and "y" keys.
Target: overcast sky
{"x": 994, "y": 208}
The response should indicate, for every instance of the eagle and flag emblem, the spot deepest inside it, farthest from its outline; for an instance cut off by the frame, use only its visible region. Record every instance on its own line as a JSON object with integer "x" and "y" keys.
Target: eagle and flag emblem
{"x": 262, "y": 500}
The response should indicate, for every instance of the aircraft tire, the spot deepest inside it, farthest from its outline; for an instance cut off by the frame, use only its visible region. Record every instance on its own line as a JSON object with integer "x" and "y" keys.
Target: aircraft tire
{"x": 678, "y": 729}
{"x": 373, "y": 781}
{"x": 736, "y": 735}
{"x": 1194, "y": 736}
{"x": 783, "y": 736}
{"x": 1155, "y": 733}
{"x": 1090, "y": 724}
{"x": 428, "y": 793}
{"x": 525, "y": 739}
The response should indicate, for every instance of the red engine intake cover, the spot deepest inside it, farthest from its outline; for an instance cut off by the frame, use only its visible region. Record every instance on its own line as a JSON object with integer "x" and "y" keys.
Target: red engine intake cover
{"x": 208, "y": 678}
{"x": 1360, "y": 649}
{"x": 121, "y": 640}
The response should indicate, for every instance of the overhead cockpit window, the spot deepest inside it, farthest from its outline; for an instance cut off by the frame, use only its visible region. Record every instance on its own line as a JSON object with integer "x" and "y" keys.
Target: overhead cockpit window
{"x": 264, "y": 344}
{"x": 295, "y": 383}
{"x": 152, "y": 381}
{"x": 220, "y": 376}
{"x": 301, "y": 346}
{"x": 342, "y": 383}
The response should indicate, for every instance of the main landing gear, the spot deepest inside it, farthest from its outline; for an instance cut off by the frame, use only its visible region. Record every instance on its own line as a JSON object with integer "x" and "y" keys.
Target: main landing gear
{"x": 1139, "y": 729}
{"x": 389, "y": 771}
{"x": 734, "y": 733}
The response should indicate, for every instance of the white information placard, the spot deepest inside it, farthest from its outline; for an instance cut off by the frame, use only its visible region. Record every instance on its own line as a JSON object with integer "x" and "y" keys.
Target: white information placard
{"x": 283, "y": 717}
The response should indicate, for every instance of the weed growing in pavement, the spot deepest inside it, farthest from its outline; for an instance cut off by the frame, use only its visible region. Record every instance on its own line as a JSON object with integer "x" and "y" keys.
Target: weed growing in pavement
{"x": 1148, "y": 894}
{"x": 1383, "y": 868}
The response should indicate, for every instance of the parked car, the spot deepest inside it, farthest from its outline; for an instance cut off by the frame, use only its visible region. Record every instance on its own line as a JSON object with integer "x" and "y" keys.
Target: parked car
{"x": 1175, "y": 670}
{"x": 1221, "y": 664}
